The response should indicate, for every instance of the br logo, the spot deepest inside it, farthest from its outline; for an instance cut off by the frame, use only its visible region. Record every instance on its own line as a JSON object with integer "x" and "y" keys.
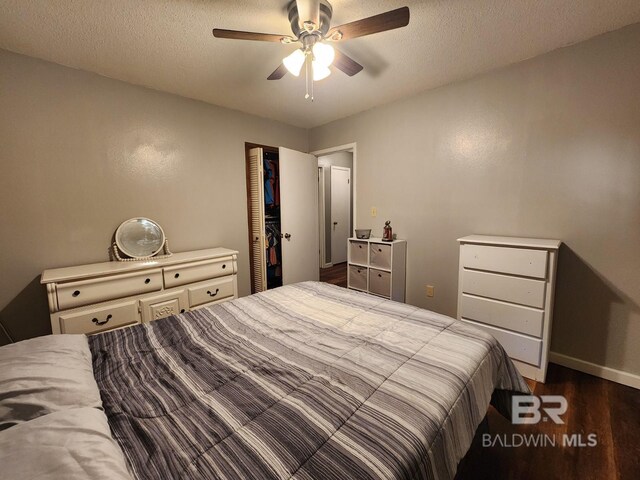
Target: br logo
{"x": 530, "y": 409}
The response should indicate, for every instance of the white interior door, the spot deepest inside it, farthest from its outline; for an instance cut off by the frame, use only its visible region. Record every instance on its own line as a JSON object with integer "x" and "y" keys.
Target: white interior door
{"x": 340, "y": 213}
{"x": 299, "y": 216}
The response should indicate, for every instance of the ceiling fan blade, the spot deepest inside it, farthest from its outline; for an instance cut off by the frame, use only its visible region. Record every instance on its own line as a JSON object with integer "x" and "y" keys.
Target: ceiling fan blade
{"x": 378, "y": 23}
{"x": 278, "y": 73}
{"x": 260, "y": 37}
{"x": 346, "y": 64}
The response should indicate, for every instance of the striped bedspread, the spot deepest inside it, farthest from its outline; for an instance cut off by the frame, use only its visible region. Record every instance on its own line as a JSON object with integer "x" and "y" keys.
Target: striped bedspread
{"x": 307, "y": 381}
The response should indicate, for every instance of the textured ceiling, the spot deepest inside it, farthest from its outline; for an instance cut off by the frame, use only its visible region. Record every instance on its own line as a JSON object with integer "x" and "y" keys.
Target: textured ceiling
{"x": 167, "y": 45}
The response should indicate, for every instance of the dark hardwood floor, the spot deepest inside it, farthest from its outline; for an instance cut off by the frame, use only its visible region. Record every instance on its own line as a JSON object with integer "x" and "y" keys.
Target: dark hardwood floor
{"x": 336, "y": 274}
{"x": 609, "y": 410}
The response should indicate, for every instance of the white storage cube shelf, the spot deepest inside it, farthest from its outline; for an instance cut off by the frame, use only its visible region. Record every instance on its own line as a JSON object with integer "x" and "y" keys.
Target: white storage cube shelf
{"x": 378, "y": 267}
{"x": 506, "y": 288}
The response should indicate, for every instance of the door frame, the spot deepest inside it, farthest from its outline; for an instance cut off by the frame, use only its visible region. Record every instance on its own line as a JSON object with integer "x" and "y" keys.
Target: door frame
{"x": 321, "y": 217}
{"x": 349, "y": 231}
{"x": 347, "y": 147}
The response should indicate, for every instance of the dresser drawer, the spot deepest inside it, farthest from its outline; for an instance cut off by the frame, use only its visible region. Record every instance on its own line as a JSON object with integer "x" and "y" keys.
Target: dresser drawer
{"x": 86, "y": 292}
{"x": 380, "y": 255}
{"x": 380, "y": 282}
{"x": 515, "y": 261}
{"x": 524, "y": 291}
{"x": 211, "y": 291}
{"x": 99, "y": 319}
{"x": 163, "y": 305}
{"x": 197, "y": 271}
{"x": 500, "y": 314}
{"x": 357, "y": 277}
{"x": 520, "y": 347}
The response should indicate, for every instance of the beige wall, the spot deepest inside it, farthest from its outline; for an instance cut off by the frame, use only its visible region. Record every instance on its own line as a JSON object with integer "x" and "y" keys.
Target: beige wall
{"x": 81, "y": 153}
{"x": 546, "y": 148}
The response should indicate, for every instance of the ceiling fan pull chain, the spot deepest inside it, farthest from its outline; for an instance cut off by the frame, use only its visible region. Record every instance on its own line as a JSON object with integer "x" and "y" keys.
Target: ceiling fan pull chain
{"x": 306, "y": 75}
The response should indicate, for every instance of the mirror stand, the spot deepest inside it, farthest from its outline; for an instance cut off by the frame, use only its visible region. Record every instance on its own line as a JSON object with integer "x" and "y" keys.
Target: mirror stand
{"x": 118, "y": 254}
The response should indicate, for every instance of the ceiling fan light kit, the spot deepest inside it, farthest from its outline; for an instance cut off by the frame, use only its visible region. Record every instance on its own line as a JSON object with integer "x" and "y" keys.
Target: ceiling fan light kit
{"x": 311, "y": 26}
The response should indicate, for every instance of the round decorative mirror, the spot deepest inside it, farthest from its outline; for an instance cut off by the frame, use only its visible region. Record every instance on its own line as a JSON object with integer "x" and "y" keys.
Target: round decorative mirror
{"x": 139, "y": 238}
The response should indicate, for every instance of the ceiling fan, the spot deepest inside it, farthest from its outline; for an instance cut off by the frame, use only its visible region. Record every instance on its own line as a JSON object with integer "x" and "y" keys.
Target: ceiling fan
{"x": 311, "y": 26}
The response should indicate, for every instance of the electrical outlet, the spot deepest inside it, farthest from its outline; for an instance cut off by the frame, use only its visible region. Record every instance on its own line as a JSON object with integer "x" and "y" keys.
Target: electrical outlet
{"x": 430, "y": 291}
{"x": 374, "y": 212}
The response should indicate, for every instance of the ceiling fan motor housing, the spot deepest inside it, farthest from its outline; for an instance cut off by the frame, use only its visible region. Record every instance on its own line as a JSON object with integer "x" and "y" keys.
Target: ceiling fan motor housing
{"x": 317, "y": 31}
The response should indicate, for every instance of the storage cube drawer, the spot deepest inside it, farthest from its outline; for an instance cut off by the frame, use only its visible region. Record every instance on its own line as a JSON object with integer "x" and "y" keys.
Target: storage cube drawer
{"x": 94, "y": 320}
{"x": 520, "y": 347}
{"x": 515, "y": 261}
{"x": 357, "y": 277}
{"x": 86, "y": 292}
{"x": 380, "y": 255}
{"x": 211, "y": 291}
{"x": 164, "y": 305}
{"x": 380, "y": 282}
{"x": 195, "y": 272}
{"x": 524, "y": 291}
{"x": 358, "y": 252}
{"x": 506, "y": 315}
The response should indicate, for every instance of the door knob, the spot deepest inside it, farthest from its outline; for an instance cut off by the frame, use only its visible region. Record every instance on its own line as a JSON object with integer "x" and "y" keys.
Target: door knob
{"x": 287, "y": 236}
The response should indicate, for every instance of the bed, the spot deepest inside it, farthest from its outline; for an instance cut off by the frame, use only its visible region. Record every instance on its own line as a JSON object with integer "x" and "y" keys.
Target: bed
{"x": 307, "y": 381}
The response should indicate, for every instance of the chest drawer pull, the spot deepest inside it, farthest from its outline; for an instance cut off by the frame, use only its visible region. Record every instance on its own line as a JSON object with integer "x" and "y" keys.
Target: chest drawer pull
{"x": 213, "y": 294}
{"x": 224, "y": 265}
{"x": 76, "y": 293}
{"x": 98, "y": 322}
{"x": 176, "y": 275}
{"x": 147, "y": 280}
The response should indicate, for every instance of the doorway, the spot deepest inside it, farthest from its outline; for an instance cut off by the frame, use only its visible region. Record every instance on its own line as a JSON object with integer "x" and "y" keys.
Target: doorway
{"x": 336, "y": 215}
{"x": 283, "y": 230}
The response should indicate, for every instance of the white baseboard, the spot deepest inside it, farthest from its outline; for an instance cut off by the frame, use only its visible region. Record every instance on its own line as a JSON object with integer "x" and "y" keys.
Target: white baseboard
{"x": 618, "y": 376}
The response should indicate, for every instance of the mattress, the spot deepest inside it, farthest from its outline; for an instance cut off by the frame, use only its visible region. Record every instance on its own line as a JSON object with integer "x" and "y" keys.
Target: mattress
{"x": 306, "y": 381}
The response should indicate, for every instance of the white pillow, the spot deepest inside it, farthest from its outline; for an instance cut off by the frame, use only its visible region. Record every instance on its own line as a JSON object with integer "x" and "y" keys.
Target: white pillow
{"x": 43, "y": 375}
{"x": 65, "y": 445}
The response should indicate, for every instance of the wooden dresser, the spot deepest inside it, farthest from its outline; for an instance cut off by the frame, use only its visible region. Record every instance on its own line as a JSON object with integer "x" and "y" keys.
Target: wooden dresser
{"x": 102, "y": 296}
{"x": 506, "y": 287}
{"x": 378, "y": 267}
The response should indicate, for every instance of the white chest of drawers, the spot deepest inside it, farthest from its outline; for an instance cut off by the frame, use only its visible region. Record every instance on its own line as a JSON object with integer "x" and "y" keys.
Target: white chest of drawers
{"x": 103, "y": 296}
{"x": 377, "y": 267}
{"x": 506, "y": 287}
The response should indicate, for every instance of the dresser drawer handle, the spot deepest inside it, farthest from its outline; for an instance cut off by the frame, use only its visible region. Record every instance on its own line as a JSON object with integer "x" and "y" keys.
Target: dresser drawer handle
{"x": 213, "y": 294}
{"x": 176, "y": 275}
{"x": 380, "y": 275}
{"x": 359, "y": 246}
{"x": 147, "y": 280}
{"x": 76, "y": 293}
{"x": 380, "y": 250}
{"x": 98, "y": 322}
{"x": 182, "y": 311}
{"x": 224, "y": 265}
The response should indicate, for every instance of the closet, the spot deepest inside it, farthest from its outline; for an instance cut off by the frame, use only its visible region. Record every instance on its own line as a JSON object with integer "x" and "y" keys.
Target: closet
{"x": 282, "y": 202}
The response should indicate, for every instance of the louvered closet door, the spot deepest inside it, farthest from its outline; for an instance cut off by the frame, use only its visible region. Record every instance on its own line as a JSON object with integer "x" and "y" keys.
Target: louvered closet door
{"x": 256, "y": 194}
